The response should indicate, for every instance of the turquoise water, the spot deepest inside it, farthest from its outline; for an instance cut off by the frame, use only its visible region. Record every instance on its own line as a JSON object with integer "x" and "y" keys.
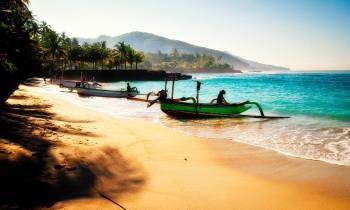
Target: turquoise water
{"x": 314, "y": 94}
{"x": 318, "y": 104}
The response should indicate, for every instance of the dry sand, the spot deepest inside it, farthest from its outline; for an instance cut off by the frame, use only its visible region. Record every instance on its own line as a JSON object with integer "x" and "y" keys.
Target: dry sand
{"x": 90, "y": 160}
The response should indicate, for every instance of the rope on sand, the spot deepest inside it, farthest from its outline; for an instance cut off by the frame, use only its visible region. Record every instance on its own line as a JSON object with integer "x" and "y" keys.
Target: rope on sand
{"x": 107, "y": 198}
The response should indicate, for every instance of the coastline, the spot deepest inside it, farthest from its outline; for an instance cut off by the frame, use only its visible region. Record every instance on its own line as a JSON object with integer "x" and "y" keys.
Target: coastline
{"x": 138, "y": 165}
{"x": 115, "y": 75}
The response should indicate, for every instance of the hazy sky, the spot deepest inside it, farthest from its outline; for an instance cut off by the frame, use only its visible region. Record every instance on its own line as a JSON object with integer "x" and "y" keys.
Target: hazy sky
{"x": 300, "y": 34}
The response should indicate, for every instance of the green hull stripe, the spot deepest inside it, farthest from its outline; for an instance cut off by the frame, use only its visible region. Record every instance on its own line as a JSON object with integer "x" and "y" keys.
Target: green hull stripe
{"x": 202, "y": 109}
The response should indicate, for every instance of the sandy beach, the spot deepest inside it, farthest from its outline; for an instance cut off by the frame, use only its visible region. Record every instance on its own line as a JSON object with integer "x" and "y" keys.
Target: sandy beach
{"x": 58, "y": 155}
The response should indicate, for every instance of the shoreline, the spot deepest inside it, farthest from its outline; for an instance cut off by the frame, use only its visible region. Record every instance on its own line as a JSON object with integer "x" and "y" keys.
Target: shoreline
{"x": 186, "y": 172}
{"x": 261, "y": 147}
{"x": 159, "y": 122}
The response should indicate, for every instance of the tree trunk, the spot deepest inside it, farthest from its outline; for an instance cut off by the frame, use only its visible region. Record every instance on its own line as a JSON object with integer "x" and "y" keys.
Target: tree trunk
{"x": 136, "y": 65}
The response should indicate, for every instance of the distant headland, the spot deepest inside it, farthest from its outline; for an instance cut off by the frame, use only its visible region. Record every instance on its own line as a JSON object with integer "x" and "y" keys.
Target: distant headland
{"x": 159, "y": 50}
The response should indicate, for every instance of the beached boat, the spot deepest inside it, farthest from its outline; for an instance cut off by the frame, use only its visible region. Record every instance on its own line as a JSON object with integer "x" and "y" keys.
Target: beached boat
{"x": 106, "y": 93}
{"x": 73, "y": 84}
{"x": 193, "y": 109}
{"x": 70, "y": 84}
{"x": 65, "y": 83}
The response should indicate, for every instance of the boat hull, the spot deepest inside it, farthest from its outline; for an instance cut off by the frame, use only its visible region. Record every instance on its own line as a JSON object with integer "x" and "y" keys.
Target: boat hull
{"x": 183, "y": 109}
{"x": 105, "y": 93}
{"x": 69, "y": 84}
{"x": 66, "y": 83}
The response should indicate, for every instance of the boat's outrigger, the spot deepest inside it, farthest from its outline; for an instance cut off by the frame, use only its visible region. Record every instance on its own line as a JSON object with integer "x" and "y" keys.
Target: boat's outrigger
{"x": 181, "y": 108}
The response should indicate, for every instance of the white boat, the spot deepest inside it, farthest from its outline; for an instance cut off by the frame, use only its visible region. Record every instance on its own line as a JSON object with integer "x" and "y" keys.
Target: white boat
{"x": 69, "y": 83}
{"x": 107, "y": 93}
{"x": 72, "y": 84}
{"x": 65, "y": 83}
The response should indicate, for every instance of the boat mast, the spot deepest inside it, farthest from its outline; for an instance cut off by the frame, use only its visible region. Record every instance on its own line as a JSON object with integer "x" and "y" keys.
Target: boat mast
{"x": 165, "y": 84}
{"x": 172, "y": 89}
{"x": 198, "y": 88}
{"x": 172, "y": 78}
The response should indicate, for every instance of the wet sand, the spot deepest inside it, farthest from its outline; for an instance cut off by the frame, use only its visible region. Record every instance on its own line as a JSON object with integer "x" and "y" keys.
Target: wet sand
{"x": 59, "y": 155}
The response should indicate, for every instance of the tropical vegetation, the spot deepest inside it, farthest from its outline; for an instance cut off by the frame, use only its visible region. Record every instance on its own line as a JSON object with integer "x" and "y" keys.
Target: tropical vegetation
{"x": 63, "y": 53}
{"x": 29, "y": 48}
{"x": 177, "y": 60}
{"x": 20, "y": 53}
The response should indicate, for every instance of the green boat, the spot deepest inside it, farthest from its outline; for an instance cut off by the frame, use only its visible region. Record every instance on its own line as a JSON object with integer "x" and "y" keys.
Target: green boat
{"x": 186, "y": 109}
{"x": 189, "y": 107}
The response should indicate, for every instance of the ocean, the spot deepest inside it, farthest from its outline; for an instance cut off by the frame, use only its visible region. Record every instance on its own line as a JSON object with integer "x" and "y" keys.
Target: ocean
{"x": 318, "y": 104}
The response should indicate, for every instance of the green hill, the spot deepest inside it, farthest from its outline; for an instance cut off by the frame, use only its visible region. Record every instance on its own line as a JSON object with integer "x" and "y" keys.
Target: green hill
{"x": 152, "y": 43}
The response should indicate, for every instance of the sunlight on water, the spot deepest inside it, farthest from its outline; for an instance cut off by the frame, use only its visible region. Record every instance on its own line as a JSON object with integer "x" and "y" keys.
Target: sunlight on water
{"x": 318, "y": 103}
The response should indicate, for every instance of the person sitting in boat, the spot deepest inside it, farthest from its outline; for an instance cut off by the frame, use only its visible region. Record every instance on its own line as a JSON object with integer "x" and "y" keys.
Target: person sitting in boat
{"x": 220, "y": 99}
{"x": 128, "y": 88}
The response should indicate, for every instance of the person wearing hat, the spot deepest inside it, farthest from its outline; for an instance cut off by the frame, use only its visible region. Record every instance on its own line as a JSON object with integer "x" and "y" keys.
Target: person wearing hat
{"x": 220, "y": 99}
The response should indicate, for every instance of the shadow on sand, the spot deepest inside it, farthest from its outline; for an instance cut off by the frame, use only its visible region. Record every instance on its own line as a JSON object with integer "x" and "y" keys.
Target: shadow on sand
{"x": 31, "y": 175}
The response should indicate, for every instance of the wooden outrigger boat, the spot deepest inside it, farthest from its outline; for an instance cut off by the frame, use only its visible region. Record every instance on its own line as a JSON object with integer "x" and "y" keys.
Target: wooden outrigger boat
{"x": 92, "y": 88}
{"x": 193, "y": 109}
{"x": 73, "y": 84}
{"x": 70, "y": 84}
{"x": 185, "y": 109}
{"x": 106, "y": 93}
{"x": 65, "y": 83}
{"x": 86, "y": 90}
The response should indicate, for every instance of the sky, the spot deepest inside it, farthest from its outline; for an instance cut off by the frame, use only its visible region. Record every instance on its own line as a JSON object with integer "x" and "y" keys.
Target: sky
{"x": 299, "y": 34}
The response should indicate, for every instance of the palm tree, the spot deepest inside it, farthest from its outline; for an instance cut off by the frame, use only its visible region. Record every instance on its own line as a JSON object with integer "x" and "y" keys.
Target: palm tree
{"x": 116, "y": 58}
{"x": 138, "y": 58}
{"x": 65, "y": 56}
{"x": 34, "y": 30}
{"x": 130, "y": 57}
{"x": 76, "y": 54}
{"x": 94, "y": 54}
{"x": 71, "y": 47}
{"x": 122, "y": 48}
{"x": 103, "y": 52}
{"x": 53, "y": 44}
